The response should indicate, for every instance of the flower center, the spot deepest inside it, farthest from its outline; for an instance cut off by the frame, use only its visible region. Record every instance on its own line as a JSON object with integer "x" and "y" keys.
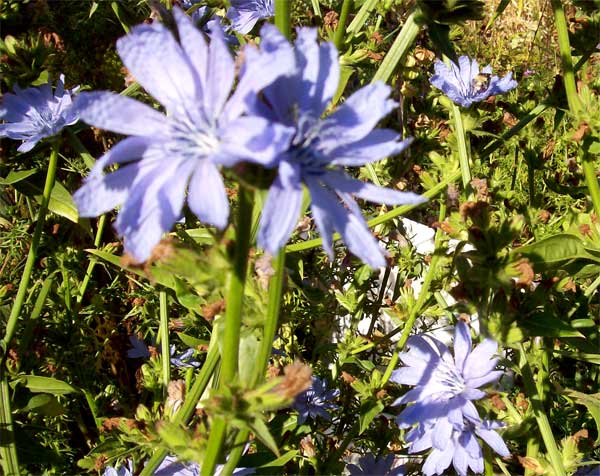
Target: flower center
{"x": 192, "y": 139}
{"x": 449, "y": 377}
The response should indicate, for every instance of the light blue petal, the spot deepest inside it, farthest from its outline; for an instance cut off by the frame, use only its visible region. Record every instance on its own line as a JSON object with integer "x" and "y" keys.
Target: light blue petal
{"x": 194, "y": 45}
{"x": 379, "y": 144}
{"x": 480, "y": 361}
{"x": 342, "y": 182}
{"x": 494, "y": 440}
{"x": 221, "y": 73}
{"x": 357, "y": 117}
{"x": 207, "y": 197}
{"x": 120, "y": 114}
{"x": 158, "y": 63}
{"x": 462, "y": 344}
{"x": 282, "y": 209}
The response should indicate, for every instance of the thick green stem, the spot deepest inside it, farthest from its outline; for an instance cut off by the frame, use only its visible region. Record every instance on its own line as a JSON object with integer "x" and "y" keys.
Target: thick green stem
{"x": 164, "y": 341}
{"x": 565, "y": 53}
{"x": 93, "y": 260}
{"x": 338, "y": 37}
{"x": 283, "y": 17}
{"x": 15, "y": 312}
{"x": 233, "y": 322}
{"x": 591, "y": 179}
{"x": 361, "y": 17}
{"x": 421, "y": 300}
{"x": 404, "y": 40}
{"x": 236, "y": 453}
{"x": 189, "y": 405}
{"x": 540, "y": 415}
{"x": 394, "y": 213}
{"x": 464, "y": 156}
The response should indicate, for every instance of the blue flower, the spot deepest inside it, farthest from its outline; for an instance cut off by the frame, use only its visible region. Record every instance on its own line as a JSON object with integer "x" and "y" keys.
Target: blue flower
{"x": 170, "y": 466}
{"x": 368, "y": 465}
{"x": 183, "y": 360}
{"x": 125, "y": 470}
{"x": 460, "y": 447}
{"x": 245, "y": 13}
{"x": 209, "y": 23}
{"x": 33, "y": 114}
{"x": 139, "y": 350}
{"x": 315, "y": 401}
{"x": 169, "y": 154}
{"x": 321, "y": 147}
{"x": 444, "y": 386}
{"x": 465, "y": 84}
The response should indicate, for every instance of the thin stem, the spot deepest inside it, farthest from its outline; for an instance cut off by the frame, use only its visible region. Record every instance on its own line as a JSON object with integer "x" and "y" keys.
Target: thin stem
{"x": 233, "y": 322}
{"x": 540, "y": 415}
{"x": 283, "y": 16}
{"x": 404, "y": 40}
{"x": 189, "y": 405}
{"x": 338, "y": 38}
{"x": 591, "y": 179}
{"x": 31, "y": 256}
{"x": 164, "y": 341}
{"x": 421, "y": 300}
{"x": 93, "y": 260}
{"x": 361, "y": 17}
{"x": 8, "y": 449}
{"x": 565, "y": 53}
{"x": 393, "y": 213}
{"x": 273, "y": 306}
{"x": 464, "y": 156}
{"x": 236, "y": 453}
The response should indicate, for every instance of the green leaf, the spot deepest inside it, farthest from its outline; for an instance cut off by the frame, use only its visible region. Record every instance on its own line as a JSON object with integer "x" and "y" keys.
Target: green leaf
{"x": 591, "y": 402}
{"x": 38, "y": 384}
{"x": 368, "y": 411}
{"x": 555, "y": 251}
{"x": 16, "y": 176}
{"x": 191, "y": 341}
{"x": 262, "y": 433}
{"x": 44, "y": 404}
{"x": 62, "y": 203}
{"x": 546, "y": 325}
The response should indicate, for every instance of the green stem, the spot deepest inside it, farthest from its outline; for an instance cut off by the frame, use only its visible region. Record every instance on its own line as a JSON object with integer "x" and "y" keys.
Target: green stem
{"x": 8, "y": 450}
{"x": 273, "y": 306}
{"x": 540, "y": 415}
{"x": 404, "y": 40}
{"x": 421, "y": 300}
{"x": 236, "y": 453}
{"x": 361, "y": 17}
{"x": 464, "y": 156}
{"x": 233, "y": 322}
{"x": 591, "y": 179}
{"x": 189, "y": 405}
{"x": 565, "y": 53}
{"x": 164, "y": 341}
{"x": 31, "y": 256}
{"x": 283, "y": 16}
{"x": 93, "y": 260}
{"x": 393, "y": 213}
{"x": 338, "y": 37}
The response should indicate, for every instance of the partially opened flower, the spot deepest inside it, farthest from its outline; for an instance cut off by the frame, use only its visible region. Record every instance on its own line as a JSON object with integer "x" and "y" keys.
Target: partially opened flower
{"x": 460, "y": 448}
{"x": 316, "y": 401}
{"x": 465, "y": 84}
{"x": 169, "y": 154}
{"x": 123, "y": 470}
{"x": 33, "y": 114}
{"x": 245, "y": 13}
{"x": 323, "y": 146}
{"x": 369, "y": 465}
{"x": 183, "y": 360}
{"x": 171, "y": 466}
{"x": 445, "y": 385}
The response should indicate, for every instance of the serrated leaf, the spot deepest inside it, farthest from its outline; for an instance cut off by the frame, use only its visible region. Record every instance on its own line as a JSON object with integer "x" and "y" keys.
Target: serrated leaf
{"x": 555, "y": 251}
{"x": 39, "y": 384}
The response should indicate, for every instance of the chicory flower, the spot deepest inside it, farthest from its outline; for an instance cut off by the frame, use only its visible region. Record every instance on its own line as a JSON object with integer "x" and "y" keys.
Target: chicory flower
{"x": 369, "y": 465}
{"x": 166, "y": 155}
{"x": 316, "y": 401}
{"x": 461, "y": 448}
{"x": 465, "y": 84}
{"x": 445, "y": 385}
{"x": 321, "y": 147}
{"x": 245, "y": 13}
{"x": 33, "y": 114}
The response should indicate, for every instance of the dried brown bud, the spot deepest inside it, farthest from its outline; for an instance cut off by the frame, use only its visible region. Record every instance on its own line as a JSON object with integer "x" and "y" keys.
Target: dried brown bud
{"x": 297, "y": 378}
